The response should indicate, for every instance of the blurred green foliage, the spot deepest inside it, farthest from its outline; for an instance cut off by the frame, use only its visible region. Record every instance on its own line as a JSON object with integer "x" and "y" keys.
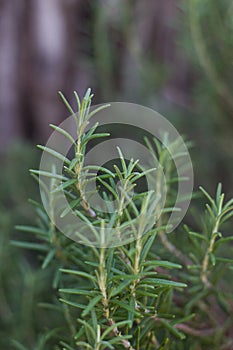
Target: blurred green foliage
{"x": 208, "y": 43}
{"x": 130, "y": 64}
{"x": 22, "y": 284}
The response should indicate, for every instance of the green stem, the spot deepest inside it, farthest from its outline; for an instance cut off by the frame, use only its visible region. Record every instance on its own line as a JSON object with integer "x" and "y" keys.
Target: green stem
{"x": 205, "y": 264}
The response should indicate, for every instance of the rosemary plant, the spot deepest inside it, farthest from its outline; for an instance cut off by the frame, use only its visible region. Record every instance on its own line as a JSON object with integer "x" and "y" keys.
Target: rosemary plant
{"x": 157, "y": 291}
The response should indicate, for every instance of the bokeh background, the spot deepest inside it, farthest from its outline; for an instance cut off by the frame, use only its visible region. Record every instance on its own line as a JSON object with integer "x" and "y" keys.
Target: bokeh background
{"x": 171, "y": 55}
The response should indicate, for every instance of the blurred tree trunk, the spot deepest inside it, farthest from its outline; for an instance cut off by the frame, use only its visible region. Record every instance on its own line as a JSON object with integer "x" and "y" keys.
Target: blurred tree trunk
{"x": 10, "y": 18}
{"x": 43, "y": 64}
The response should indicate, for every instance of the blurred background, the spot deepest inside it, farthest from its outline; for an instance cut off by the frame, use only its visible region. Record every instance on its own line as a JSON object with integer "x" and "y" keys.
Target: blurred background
{"x": 171, "y": 55}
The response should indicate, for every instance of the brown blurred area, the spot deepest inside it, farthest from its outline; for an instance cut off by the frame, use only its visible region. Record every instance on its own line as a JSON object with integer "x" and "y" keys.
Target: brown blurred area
{"x": 36, "y": 60}
{"x": 51, "y": 45}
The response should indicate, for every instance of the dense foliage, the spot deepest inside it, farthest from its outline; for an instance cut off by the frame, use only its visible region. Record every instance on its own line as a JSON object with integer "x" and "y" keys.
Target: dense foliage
{"x": 158, "y": 292}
